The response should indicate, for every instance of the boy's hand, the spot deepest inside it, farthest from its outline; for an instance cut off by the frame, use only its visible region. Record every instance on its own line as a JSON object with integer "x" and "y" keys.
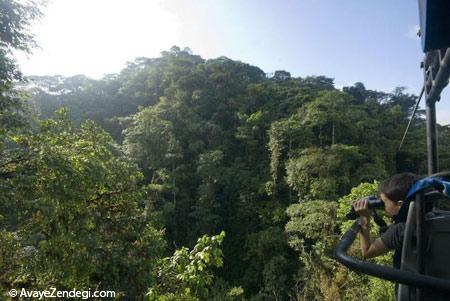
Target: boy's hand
{"x": 361, "y": 207}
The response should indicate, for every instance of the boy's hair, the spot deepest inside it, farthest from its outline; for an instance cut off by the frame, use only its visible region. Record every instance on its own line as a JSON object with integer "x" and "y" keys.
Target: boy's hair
{"x": 396, "y": 187}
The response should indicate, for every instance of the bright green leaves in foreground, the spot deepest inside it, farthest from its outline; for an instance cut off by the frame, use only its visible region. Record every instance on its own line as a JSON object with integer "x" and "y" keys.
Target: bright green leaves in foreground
{"x": 187, "y": 274}
{"x": 73, "y": 214}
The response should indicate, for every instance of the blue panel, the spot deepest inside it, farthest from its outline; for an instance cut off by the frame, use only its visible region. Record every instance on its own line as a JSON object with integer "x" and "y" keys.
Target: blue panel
{"x": 434, "y": 24}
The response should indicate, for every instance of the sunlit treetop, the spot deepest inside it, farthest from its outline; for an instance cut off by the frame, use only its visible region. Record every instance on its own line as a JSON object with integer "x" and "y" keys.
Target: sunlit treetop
{"x": 16, "y": 18}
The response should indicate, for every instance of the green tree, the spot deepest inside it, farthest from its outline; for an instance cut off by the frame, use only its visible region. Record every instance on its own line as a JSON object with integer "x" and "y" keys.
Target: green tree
{"x": 73, "y": 214}
{"x": 187, "y": 274}
{"x": 15, "y": 19}
{"x": 327, "y": 173}
{"x": 332, "y": 117}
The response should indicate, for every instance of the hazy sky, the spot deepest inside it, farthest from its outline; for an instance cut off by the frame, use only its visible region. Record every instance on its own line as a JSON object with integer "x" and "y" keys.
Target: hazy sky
{"x": 373, "y": 42}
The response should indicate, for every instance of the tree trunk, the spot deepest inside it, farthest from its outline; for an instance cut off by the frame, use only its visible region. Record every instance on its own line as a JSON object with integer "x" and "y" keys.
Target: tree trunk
{"x": 173, "y": 183}
{"x": 332, "y": 134}
{"x": 320, "y": 136}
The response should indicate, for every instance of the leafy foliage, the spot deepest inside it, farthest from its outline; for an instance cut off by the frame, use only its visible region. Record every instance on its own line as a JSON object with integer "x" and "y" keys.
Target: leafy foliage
{"x": 222, "y": 147}
{"x": 89, "y": 237}
{"x": 186, "y": 275}
{"x": 15, "y": 20}
{"x": 179, "y": 148}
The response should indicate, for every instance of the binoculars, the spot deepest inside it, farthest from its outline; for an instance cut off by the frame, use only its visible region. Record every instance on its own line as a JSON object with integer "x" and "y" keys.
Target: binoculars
{"x": 372, "y": 203}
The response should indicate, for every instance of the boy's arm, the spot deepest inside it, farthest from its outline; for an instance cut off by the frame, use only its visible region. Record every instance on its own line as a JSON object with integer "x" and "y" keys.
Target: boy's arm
{"x": 369, "y": 249}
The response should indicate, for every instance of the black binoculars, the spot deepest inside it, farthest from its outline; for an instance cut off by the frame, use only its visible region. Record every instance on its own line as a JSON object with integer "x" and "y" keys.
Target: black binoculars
{"x": 372, "y": 203}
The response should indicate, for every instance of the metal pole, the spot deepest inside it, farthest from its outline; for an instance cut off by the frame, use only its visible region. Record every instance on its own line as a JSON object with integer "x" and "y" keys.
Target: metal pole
{"x": 431, "y": 136}
{"x": 419, "y": 236}
{"x": 436, "y": 66}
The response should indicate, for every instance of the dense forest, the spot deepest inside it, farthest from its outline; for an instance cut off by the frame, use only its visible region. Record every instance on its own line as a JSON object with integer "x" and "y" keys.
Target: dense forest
{"x": 181, "y": 178}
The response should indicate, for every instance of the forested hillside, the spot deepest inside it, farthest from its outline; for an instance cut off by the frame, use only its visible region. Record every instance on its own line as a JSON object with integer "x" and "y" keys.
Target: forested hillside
{"x": 181, "y": 178}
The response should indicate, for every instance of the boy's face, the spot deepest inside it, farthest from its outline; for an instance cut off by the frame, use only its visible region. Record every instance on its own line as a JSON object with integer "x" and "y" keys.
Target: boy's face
{"x": 390, "y": 207}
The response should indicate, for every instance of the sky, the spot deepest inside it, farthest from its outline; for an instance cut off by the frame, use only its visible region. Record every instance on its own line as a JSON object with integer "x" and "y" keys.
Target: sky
{"x": 373, "y": 42}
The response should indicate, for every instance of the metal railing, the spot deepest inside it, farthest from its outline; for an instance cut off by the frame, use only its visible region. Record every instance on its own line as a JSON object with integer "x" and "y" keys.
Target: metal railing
{"x": 384, "y": 272}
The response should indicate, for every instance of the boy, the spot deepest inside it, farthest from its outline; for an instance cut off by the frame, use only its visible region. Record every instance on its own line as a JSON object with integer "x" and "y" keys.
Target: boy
{"x": 392, "y": 192}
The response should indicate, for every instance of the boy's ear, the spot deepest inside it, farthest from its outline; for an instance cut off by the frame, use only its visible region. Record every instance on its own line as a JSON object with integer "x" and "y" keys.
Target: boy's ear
{"x": 400, "y": 203}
